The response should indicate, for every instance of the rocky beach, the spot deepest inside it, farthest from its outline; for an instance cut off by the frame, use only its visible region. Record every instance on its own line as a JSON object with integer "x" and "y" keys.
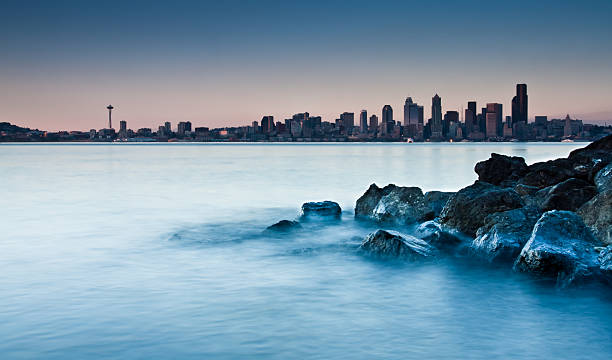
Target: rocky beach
{"x": 551, "y": 219}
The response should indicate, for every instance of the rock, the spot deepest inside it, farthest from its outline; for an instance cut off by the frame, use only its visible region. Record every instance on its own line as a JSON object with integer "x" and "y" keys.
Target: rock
{"x": 327, "y": 209}
{"x": 435, "y": 201}
{"x": 597, "y": 214}
{"x": 435, "y": 235}
{"x": 605, "y": 259}
{"x": 402, "y": 205}
{"x": 398, "y": 204}
{"x": 284, "y": 226}
{"x": 593, "y": 157}
{"x": 569, "y": 195}
{"x": 504, "y": 234}
{"x": 501, "y": 169}
{"x": 603, "y": 179}
{"x": 368, "y": 201}
{"x": 544, "y": 174}
{"x": 467, "y": 209}
{"x": 525, "y": 190}
{"x": 560, "y": 247}
{"x": 392, "y": 244}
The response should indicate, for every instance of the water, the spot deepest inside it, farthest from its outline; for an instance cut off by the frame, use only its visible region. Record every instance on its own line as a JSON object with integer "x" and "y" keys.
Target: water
{"x": 154, "y": 251}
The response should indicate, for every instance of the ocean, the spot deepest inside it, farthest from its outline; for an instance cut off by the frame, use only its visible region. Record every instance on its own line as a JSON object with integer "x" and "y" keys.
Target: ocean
{"x": 156, "y": 251}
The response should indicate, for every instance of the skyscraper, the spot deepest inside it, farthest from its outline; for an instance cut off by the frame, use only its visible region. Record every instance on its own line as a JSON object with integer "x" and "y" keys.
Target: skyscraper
{"x": 519, "y": 104}
{"x": 363, "y": 121}
{"x": 348, "y": 122}
{"x": 436, "y": 117}
{"x": 168, "y": 127}
{"x": 267, "y": 124}
{"x": 373, "y": 123}
{"x": 494, "y": 120}
{"x": 387, "y": 119}
{"x": 407, "y": 104}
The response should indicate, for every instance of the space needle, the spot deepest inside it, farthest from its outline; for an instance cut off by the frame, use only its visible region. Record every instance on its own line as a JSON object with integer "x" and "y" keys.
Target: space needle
{"x": 110, "y": 110}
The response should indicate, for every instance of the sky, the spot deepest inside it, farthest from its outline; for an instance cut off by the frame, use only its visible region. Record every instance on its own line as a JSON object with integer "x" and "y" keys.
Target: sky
{"x": 228, "y": 63}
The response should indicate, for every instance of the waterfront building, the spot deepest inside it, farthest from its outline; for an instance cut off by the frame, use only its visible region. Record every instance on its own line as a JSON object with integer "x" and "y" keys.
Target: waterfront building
{"x": 363, "y": 121}
{"x": 387, "y": 120}
{"x": 496, "y": 110}
{"x": 373, "y": 124}
{"x": 436, "y": 117}
{"x": 519, "y": 104}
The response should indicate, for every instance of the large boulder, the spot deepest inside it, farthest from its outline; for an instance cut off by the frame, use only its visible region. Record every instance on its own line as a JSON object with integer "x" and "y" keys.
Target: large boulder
{"x": 501, "y": 169}
{"x": 605, "y": 263}
{"x": 561, "y": 247}
{"x": 398, "y": 204}
{"x": 467, "y": 209}
{"x": 548, "y": 173}
{"x": 322, "y": 209}
{"x": 284, "y": 226}
{"x": 504, "y": 234}
{"x": 392, "y": 244}
{"x": 569, "y": 195}
{"x": 594, "y": 157}
{"x": 603, "y": 179}
{"x": 597, "y": 214}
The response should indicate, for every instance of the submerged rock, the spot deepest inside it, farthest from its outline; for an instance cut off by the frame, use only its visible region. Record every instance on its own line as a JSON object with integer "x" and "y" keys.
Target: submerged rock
{"x": 398, "y": 204}
{"x": 325, "y": 209}
{"x": 501, "y": 169}
{"x": 597, "y": 214}
{"x": 569, "y": 195}
{"x": 504, "y": 234}
{"x": 284, "y": 226}
{"x": 435, "y": 235}
{"x": 561, "y": 247}
{"x": 467, "y": 209}
{"x": 392, "y": 244}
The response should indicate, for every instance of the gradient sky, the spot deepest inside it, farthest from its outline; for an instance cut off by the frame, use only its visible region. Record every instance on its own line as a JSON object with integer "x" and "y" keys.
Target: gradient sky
{"x": 227, "y": 63}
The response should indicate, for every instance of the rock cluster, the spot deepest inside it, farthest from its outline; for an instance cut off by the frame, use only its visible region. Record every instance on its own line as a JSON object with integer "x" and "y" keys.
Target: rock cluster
{"x": 552, "y": 219}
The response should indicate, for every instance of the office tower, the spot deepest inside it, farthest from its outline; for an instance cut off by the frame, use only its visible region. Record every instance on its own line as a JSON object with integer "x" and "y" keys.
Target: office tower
{"x": 363, "y": 121}
{"x": 451, "y": 116}
{"x": 471, "y": 119}
{"x": 373, "y": 123}
{"x": 519, "y": 104}
{"x": 168, "y": 127}
{"x": 387, "y": 119}
{"x": 494, "y": 120}
{"x": 183, "y": 128}
{"x": 267, "y": 124}
{"x": 348, "y": 122}
{"x": 436, "y": 117}
{"x": 407, "y": 105}
{"x": 123, "y": 126}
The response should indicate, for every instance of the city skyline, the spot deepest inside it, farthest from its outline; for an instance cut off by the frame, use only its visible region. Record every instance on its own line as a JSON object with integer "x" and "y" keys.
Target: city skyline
{"x": 227, "y": 64}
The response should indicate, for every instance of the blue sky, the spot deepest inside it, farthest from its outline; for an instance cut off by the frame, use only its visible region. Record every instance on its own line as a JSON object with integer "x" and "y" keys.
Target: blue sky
{"x": 231, "y": 62}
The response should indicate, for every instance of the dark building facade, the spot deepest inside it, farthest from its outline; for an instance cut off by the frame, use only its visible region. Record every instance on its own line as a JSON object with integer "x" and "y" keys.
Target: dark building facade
{"x": 519, "y": 104}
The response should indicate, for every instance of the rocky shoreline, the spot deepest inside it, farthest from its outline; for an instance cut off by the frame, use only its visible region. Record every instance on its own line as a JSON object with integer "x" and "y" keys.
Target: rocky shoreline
{"x": 550, "y": 219}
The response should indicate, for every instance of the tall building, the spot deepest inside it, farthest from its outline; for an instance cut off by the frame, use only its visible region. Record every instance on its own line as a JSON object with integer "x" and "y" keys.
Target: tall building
{"x": 183, "y": 128}
{"x": 494, "y": 120}
{"x": 168, "y": 127}
{"x": 373, "y": 123}
{"x": 471, "y": 119}
{"x": 363, "y": 121}
{"x": 519, "y": 104}
{"x": 348, "y": 122}
{"x": 267, "y": 124}
{"x": 387, "y": 119}
{"x": 436, "y": 117}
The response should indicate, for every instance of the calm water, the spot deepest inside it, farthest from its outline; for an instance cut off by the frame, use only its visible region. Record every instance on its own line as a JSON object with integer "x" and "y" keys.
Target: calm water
{"x": 155, "y": 251}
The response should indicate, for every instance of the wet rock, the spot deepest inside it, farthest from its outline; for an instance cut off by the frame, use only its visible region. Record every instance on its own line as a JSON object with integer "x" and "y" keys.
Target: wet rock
{"x": 603, "y": 179}
{"x": 398, "y": 204}
{"x": 284, "y": 226}
{"x": 597, "y": 215}
{"x": 594, "y": 157}
{"x": 560, "y": 247}
{"x": 435, "y": 235}
{"x": 501, "y": 169}
{"x": 392, "y": 244}
{"x": 525, "y": 190}
{"x": 605, "y": 259}
{"x": 324, "y": 209}
{"x": 504, "y": 234}
{"x": 569, "y": 195}
{"x": 467, "y": 209}
{"x": 434, "y": 202}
